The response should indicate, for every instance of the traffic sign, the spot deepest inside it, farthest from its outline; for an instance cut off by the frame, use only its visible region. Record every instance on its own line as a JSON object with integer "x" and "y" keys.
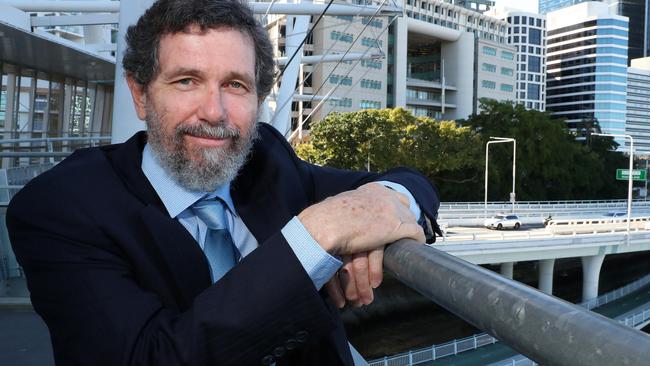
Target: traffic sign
{"x": 637, "y": 174}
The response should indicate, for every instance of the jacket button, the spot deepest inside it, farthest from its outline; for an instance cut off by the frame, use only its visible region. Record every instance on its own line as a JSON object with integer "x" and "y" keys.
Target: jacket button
{"x": 302, "y": 336}
{"x": 279, "y": 352}
{"x": 291, "y": 344}
{"x": 267, "y": 360}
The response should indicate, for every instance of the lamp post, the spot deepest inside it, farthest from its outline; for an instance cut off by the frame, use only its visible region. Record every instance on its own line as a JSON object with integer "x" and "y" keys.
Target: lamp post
{"x": 629, "y": 177}
{"x": 369, "y": 141}
{"x": 497, "y": 140}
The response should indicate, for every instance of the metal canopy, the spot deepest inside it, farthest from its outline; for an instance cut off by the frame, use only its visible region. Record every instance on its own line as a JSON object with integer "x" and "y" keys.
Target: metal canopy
{"x": 31, "y": 50}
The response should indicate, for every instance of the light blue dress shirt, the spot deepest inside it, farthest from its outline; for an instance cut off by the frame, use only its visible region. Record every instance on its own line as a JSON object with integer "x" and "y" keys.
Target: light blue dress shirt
{"x": 319, "y": 265}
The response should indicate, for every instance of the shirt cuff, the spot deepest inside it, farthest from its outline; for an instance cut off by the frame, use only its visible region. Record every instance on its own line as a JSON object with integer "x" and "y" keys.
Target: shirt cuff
{"x": 413, "y": 206}
{"x": 319, "y": 265}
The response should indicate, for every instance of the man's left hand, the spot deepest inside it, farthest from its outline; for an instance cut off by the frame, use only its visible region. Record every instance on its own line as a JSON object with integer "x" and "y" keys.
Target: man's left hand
{"x": 360, "y": 274}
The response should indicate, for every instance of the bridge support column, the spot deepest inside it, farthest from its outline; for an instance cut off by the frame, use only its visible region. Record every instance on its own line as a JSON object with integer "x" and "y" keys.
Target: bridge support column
{"x": 590, "y": 275}
{"x": 546, "y": 275}
{"x": 507, "y": 269}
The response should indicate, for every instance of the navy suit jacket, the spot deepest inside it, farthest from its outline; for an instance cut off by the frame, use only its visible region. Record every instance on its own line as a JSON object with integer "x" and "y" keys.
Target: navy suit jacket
{"x": 119, "y": 282}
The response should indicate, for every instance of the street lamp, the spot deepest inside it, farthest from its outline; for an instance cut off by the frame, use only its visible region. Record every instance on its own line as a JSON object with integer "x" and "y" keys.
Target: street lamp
{"x": 497, "y": 140}
{"x": 629, "y": 178}
{"x": 369, "y": 141}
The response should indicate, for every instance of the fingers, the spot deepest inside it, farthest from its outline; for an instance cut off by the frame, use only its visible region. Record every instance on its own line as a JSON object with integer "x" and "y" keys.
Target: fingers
{"x": 333, "y": 287}
{"x": 361, "y": 268}
{"x": 376, "y": 266}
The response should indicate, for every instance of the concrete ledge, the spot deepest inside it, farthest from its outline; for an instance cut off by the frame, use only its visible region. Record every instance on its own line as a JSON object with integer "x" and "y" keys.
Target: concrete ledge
{"x": 22, "y": 303}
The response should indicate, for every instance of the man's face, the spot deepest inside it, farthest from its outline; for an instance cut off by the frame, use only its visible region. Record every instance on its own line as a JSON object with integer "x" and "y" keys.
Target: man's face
{"x": 201, "y": 107}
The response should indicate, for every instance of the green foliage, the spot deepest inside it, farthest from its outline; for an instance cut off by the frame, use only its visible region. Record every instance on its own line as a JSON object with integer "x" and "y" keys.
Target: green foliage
{"x": 381, "y": 139}
{"x": 551, "y": 163}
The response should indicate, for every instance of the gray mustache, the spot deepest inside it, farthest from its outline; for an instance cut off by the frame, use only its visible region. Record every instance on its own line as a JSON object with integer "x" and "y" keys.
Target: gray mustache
{"x": 218, "y": 131}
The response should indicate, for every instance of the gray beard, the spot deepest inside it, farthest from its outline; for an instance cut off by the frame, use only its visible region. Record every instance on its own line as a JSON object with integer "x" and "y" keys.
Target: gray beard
{"x": 216, "y": 167}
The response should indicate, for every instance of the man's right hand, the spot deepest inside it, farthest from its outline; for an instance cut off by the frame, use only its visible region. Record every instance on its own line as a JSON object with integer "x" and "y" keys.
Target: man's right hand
{"x": 361, "y": 220}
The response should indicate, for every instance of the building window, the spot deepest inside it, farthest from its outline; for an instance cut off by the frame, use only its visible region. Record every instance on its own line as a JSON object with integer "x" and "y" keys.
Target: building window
{"x": 534, "y": 36}
{"x": 507, "y": 55}
{"x": 339, "y": 79}
{"x": 487, "y": 84}
{"x": 369, "y": 104}
{"x": 490, "y": 51}
{"x": 534, "y": 64}
{"x": 533, "y": 91}
{"x": 345, "y": 102}
{"x": 489, "y": 67}
{"x": 506, "y": 87}
{"x": 370, "y": 84}
{"x": 371, "y": 42}
{"x": 507, "y": 71}
{"x": 340, "y": 36}
{"x": 516, "y": 19}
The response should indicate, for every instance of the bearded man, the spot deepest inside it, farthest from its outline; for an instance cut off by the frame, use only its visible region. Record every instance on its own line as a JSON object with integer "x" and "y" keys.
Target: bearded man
{"x": 205, "y": 241}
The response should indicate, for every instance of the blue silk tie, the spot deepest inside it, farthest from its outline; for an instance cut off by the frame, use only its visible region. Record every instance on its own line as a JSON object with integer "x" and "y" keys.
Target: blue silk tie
{"x": 220, "y": 250}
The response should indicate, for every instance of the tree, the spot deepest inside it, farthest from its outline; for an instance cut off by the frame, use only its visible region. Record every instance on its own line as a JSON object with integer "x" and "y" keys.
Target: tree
{"x": 551, "y": 164}
{"x": 380, "y": 139}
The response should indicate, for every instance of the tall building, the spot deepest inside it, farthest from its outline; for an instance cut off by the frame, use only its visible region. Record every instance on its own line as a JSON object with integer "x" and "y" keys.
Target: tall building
{"x": 528, "y": 34}
{"x": 446, "y": 58}
{"x": 638, "y": 104}
{"x": 638, "y": 12}
{"x": 587, "y": 73}
{"x": 439, "y": 61}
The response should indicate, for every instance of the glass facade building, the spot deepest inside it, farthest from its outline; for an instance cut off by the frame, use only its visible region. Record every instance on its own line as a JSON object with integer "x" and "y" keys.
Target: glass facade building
{"x": 587, "y": 70}
{"x": 638, "y": 12}
{"x": 638, "y": 104}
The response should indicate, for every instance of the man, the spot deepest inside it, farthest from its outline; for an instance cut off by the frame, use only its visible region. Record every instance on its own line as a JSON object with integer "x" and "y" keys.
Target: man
{"x": 119, "y": 255}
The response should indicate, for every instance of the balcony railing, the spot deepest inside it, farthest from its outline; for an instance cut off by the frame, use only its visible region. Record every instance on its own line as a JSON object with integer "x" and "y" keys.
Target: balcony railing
{"x": 547, "y": 330}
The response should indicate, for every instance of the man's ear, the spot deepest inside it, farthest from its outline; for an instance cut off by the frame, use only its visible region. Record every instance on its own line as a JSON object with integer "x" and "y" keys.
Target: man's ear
{"x": 139, "y": 96}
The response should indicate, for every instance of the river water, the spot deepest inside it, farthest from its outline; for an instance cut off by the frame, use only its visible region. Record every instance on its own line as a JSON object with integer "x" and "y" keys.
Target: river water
{"x": 400, "y": 319}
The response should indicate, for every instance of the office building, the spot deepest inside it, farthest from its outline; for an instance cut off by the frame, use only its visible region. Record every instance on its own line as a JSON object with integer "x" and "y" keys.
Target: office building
{"x": 587, "y": 73}
{"x": 437, "y": 61}
{"x": 528, "y": 34}
{"x": 638, "y": 12}
{"x": 638, "y": 104}
{"x": 57, "y": 80}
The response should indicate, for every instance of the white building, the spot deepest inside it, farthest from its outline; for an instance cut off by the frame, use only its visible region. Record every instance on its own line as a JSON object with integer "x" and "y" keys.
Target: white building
{"x": 437, "y": 61}
{"x": 446, "y": 58}
{"x": 587, "y": 67}
{"x": 638, "y": 104}
{"x": 528, "y": 34}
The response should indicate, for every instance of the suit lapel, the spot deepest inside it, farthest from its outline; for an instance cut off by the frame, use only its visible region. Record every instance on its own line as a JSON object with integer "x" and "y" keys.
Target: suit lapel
{"x": 184, "y": 262}
{"x": 188, "y": 267}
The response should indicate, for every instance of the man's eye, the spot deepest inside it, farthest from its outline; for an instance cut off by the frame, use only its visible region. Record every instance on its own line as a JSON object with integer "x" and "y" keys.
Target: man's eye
{"x": 235, "y": 84}
{"x": 185, "y": 82}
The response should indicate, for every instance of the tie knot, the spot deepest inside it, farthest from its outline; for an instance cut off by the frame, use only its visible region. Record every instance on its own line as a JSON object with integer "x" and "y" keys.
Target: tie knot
{"x": 212, "y": 213}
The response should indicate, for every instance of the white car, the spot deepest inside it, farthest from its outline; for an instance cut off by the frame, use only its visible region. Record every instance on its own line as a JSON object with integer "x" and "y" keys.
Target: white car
{"x": 503, "y": 221}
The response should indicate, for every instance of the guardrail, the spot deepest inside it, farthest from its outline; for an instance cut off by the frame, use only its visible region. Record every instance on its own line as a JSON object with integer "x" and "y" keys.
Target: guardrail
{"x": 543, "y": 328}
{"x": 476, "y": 341}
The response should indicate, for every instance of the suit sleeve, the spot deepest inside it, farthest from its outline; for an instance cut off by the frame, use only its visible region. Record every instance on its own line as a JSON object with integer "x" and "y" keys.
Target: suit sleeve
{"x": 324, "y": 182}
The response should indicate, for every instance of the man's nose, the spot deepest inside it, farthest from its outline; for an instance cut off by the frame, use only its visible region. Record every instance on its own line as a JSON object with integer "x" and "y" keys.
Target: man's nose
{"x": 212, "y": 108}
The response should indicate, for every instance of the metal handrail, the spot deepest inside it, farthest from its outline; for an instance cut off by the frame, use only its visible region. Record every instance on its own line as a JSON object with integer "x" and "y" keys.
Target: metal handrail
{"x": 546, "y": 329}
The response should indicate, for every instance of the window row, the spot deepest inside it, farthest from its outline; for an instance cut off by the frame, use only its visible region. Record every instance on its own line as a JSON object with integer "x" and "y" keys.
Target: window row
{"x": 373, "y": 22}
{"x": 527, "y": 20}
{"x": 345, "y": 102}
{"x": 369, "y": 104}
{"x": 370, "y": 84}
{"x": 371, "y": 42}
{"x": 373, "y": 64}
{"x": 341, "y": 36}
{"x": 340, "y": 79}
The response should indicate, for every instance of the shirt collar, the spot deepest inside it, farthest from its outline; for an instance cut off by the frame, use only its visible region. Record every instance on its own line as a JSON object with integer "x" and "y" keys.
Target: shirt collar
{"x": 175, "y": 197}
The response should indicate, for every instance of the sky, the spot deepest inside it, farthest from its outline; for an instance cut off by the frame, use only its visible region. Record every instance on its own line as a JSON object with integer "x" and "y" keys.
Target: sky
{"x": 525, "y": 5}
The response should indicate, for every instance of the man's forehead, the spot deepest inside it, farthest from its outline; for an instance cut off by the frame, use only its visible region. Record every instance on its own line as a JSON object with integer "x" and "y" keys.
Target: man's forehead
{"x": 177, "y": 40}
